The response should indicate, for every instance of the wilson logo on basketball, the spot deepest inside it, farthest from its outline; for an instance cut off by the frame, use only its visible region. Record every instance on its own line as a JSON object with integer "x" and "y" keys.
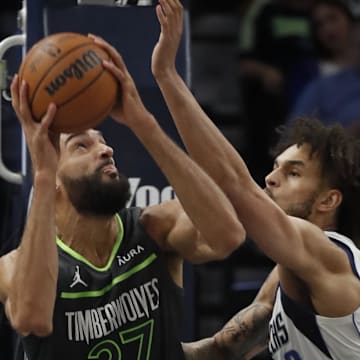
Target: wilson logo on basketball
{"x": 75, "y": 70}
{"x": 51, "y": 49}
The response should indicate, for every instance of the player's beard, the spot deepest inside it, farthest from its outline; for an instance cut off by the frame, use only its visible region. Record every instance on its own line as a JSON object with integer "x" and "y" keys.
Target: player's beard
{"x": 90, "y": 195}
{"x": 301, "y": 210}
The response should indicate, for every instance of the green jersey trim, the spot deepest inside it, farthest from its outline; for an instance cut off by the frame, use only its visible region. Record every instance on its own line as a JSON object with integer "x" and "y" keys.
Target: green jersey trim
{"x": 79, "y": 257}
{"x": 115, "y": 281}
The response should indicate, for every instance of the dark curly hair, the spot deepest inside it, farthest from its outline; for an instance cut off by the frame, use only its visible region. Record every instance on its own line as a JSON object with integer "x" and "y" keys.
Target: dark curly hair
{"x": 339, "y": 155}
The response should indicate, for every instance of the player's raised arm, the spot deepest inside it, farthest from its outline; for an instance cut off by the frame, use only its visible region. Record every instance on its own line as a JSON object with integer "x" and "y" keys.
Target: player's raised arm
{"x": 31, "y": 296}
{"x": 224, "y": 165}
{"x": 255, "y": 208}
{"x": 205, "y": 204}
{"x": 305, "y": 192}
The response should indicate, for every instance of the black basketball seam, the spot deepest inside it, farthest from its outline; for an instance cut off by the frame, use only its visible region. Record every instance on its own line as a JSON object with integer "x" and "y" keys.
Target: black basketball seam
{"x": 50, "y": 68}
{"x": 78, "y": 93}
{"x": 32, "y": 50}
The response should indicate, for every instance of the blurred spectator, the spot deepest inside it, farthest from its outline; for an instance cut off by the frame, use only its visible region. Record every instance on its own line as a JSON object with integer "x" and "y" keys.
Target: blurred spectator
{"x": 332, "y": 22}
{"x": 276, "y": 62}
{"x": 335, "y": 98}
{"x": 276, "y": 43}
{"x": 8, "y": 16}
{"x": 355, "y": 7}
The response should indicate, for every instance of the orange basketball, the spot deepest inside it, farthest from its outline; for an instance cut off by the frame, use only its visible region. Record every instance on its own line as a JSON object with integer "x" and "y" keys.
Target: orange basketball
{"x": 66, "y": 69}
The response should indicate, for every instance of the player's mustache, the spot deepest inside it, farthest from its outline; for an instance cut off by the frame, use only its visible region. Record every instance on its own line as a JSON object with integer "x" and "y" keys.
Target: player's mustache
{"x": 105, "y": 163}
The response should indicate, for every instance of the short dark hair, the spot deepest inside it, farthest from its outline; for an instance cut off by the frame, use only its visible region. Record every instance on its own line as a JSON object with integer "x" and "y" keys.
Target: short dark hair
{"x": 343, "y": 7}
{"x": 339, "y": 155}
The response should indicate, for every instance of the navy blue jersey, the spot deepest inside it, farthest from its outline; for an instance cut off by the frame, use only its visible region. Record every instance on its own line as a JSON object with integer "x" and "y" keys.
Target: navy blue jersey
{"x": 130, "y": 309}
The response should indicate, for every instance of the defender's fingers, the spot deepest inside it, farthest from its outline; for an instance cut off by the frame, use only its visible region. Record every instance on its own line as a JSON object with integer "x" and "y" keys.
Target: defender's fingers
{"x": 160, "y": 15}
{"x": 171, "y": 7}
{"x": 169, "y": 13}
{"x": 174, "y": 5}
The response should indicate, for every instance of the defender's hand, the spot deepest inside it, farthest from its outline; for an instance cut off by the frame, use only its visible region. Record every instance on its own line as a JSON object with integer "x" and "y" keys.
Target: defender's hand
{"x": 170, "y": 16}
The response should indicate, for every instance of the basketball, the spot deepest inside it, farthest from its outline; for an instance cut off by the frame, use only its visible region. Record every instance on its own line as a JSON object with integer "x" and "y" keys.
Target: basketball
{"x": 66, "y": 69}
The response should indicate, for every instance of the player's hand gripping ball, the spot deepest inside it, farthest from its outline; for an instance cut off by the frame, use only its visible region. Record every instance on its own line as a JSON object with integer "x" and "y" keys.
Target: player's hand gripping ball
{"x": 66, "y": 69}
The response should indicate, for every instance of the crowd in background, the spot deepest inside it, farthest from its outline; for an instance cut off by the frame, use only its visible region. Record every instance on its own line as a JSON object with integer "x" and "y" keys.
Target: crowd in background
{"x": 295, "y": 58}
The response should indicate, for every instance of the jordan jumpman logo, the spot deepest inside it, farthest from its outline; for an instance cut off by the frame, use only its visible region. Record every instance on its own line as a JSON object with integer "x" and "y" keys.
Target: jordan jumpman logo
{"x": 77, "y": 279}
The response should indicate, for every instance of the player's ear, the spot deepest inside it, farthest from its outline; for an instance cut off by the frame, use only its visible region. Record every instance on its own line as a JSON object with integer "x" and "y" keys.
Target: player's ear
{"x": 330, "y": 200}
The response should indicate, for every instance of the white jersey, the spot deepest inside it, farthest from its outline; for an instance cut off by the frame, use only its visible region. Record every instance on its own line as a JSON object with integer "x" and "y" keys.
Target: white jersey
{"x": 296, "y": 333}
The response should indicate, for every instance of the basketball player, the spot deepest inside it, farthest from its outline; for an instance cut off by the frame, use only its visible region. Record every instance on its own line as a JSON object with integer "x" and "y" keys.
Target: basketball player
{"x": 306, "y": 220}
{"x": 92, "y": 279}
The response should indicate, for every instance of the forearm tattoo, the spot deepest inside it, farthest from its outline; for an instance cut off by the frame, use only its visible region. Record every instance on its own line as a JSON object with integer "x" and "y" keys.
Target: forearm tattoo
{"x": 204, "y": 349}
{"x": 246, "y": 334}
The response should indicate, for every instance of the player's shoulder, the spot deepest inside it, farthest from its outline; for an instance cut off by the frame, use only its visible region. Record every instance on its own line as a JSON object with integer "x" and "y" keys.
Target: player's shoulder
{"x": 318, "y": 247}
{"x": 164, "y": 211}
{"x": 158, "y": 220}
{"x": 307, "y": 229}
